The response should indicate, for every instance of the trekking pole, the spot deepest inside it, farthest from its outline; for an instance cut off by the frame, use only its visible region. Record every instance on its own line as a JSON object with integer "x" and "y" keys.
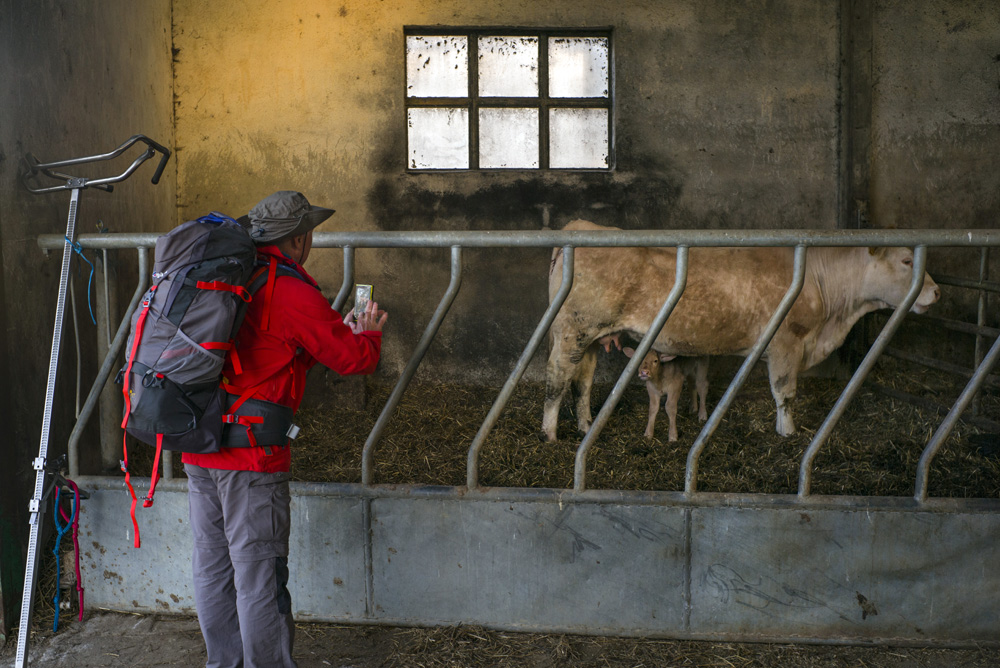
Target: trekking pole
{"x": 33, "y": 170}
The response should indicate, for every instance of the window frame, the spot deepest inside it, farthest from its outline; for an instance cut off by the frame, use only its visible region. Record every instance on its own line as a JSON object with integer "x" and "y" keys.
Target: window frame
{"x": 543, "y": 103}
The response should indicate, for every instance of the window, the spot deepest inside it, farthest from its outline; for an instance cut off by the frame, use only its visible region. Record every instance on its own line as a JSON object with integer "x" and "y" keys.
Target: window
{"x": 508, "y": 99}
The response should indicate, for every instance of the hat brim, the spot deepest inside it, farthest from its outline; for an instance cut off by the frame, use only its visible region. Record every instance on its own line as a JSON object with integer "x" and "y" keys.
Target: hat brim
{"x": 307, "y": 222}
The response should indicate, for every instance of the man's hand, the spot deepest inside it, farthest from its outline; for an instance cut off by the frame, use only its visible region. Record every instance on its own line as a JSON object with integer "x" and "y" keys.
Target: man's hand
{"x": 371, "y": 320}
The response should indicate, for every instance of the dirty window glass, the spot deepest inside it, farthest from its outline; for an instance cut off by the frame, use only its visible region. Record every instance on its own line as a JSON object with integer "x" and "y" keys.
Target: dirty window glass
{"x": 501, "y": 98}
{"x": 578, "y": 138}
{"x": 578, "y": 67}
{"x": 508, "y": 66}
{"x": 508, "y": 138}
{"x": 439, "y": 138}
{"x": 437, "y": 66}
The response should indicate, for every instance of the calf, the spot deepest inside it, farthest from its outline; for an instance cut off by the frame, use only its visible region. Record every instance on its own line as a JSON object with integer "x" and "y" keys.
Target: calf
{"x": 665, "y": 374}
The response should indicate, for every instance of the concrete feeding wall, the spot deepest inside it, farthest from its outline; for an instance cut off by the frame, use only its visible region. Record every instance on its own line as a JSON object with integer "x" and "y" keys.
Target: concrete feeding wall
{"x": 765, "y": 114}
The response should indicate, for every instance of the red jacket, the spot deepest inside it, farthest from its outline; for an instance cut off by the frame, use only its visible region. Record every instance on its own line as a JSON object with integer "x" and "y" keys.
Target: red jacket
{"x": 302, "y": 331}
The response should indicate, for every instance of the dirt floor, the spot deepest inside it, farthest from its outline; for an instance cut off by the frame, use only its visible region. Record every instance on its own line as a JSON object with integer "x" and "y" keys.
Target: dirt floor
{"x": 106, "y": 639}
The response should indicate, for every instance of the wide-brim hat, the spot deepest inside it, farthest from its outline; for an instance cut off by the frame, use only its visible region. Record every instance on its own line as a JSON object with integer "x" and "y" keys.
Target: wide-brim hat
{"x": 283, "y": 214}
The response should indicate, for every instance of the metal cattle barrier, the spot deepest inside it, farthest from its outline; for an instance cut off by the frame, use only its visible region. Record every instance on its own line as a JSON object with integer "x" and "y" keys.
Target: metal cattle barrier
{"x": 679, "y": 564}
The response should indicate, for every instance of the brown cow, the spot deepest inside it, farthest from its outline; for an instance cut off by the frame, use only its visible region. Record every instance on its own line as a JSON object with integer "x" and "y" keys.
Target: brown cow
{"x": 665, "y": 374}
{"x": 730, "y": 296}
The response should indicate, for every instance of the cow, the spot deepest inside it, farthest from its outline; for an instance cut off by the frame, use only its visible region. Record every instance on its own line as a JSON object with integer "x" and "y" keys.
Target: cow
{"x": 665, "y": 374}
{"x": 730, "y": 295}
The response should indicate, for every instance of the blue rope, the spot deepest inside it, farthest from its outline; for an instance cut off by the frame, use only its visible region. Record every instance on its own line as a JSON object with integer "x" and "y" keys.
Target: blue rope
{"x": 60, "y": 532}
{"x": 75, "y": 245}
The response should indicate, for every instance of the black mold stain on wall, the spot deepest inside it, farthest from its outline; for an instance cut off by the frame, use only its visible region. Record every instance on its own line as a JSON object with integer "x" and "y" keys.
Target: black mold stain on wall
{"x": 504, "y": 291}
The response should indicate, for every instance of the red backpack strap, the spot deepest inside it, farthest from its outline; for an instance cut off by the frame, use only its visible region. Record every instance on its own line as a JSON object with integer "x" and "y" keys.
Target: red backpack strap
{"x": 155, "y": 477}
{"x": 230, "y": 417}
{"x": 237, "y": 290}
{"x": 139, "y": 324}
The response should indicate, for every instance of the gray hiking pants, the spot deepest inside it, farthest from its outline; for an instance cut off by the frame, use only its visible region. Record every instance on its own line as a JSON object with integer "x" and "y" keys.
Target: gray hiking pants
{"x": 240, "y": 522}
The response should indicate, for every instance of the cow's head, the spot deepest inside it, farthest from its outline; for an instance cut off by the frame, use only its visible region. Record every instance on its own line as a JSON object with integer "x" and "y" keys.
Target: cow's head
{"x": 888, "y": 276}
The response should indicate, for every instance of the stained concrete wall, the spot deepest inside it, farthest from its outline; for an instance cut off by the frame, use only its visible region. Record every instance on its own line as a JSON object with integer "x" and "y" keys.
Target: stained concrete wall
{"x": 935, "y": 100}
{"x": 726, "y": 116}
{"x": 76, "y": 79}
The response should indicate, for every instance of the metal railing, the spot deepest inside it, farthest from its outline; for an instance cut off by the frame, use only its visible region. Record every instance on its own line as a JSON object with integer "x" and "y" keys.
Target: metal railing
{"x": 682, "y": 240}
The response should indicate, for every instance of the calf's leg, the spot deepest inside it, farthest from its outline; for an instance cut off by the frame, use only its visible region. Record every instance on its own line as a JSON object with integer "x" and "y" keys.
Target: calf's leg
{"x": 654, "y": 407}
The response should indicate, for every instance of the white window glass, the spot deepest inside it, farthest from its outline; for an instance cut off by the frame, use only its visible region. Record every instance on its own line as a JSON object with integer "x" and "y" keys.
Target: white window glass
{"x": 437, "y": 66}
{"x": 438, "y": 138}
{"x": 578, "y": 138}
{"x": 578, "y": 67}
{"x": 508, "y": 138}
{"x": 508, "y": 66}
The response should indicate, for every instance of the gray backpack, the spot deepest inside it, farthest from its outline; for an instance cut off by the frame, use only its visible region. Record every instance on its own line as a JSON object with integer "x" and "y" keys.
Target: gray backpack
{"x": 180, "y": 337}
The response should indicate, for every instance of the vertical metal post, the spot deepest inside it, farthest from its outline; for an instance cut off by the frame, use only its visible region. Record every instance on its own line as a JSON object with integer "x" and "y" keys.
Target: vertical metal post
{"x": 680, "y": 282}
{"x": 345, "y": 286}
{"x": 37, "y": 505}
{"x": 101, "y": 382}
{"x": 984, "y": 274}
{"x": 111, "y": 404}
{"x": 916, "y": 285}
{"x": 784, "y": 306}
{"x": 472, "y": 466}
{"x": 946, "y": 426}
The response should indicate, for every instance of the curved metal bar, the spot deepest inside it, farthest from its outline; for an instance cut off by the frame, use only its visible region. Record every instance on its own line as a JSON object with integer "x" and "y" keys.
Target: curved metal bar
{"x": 680, "y": 282}
{"x": 105, "y": 371}
{"x": 784, "y": 306}
{"x": 472, "y": 466}
{"x": 368, "y": 454}
{"x": 916, "y": 285}
{"x": 345, "y": 287}
{"x": 946, "y": 426}
{"x": 48, "y": 169}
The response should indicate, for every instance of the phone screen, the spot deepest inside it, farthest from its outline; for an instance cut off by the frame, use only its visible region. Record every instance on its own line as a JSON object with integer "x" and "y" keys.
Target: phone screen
{"x": 362, "y": 295}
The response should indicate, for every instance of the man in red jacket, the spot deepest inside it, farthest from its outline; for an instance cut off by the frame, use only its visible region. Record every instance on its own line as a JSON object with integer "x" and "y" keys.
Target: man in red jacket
{"x": 238, "y": 497}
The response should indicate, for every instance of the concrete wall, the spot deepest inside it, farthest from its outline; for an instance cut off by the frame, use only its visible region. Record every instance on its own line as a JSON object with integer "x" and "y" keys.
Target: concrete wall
{"x": 936, "y": 125}
{"x": 726, "y": 117}
{"x": 76, "y": 79}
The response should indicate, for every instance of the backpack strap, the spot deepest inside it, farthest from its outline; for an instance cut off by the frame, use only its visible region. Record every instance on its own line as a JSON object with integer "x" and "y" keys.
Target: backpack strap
{"x": 139, "y": 324}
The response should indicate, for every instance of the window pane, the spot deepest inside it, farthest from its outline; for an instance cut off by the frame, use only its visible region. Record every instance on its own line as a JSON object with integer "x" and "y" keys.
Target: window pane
{"x": 508, "y": 138}
{"x": 438, "y": 138}
{"x": 508, "y": 66}
{"x": 437, "y": 66}
{"x": 578, "y": 138}
{"x": 578, "y": 67}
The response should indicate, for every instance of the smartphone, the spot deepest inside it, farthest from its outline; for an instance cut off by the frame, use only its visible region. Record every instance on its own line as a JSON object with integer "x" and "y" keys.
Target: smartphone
{"x": 362, "y": 295}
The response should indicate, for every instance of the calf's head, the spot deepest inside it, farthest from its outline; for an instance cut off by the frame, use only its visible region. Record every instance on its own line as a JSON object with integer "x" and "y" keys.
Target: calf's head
{"x": 650, "y": 367}
{"x": 888, "y": 275}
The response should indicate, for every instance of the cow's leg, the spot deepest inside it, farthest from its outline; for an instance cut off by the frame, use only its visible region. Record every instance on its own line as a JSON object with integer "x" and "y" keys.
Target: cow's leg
{"x": 654, "y": 407}
{"x": 701, "y": 388}
{"x": 583, "y": 382}
{"x": 782, "y": 370}
{"x": 559, "y": 371}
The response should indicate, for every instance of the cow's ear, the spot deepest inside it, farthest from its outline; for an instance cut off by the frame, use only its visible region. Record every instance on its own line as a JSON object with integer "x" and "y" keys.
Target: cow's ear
{"x": 876, "y": 251}
{"x": 628, "y": 351}
{"x": 664, "y": 357}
